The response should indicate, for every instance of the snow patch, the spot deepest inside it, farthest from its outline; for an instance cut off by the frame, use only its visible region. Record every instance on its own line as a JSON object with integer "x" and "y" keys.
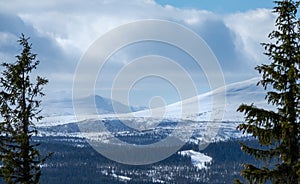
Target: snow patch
{"x": 157, "y": 181}
{"x": 121, "y": 178}
{"x": 198, "y": 159}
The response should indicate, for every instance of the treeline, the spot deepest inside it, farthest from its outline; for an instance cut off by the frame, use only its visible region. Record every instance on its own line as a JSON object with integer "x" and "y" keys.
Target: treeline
{"x": 74, "y": 161}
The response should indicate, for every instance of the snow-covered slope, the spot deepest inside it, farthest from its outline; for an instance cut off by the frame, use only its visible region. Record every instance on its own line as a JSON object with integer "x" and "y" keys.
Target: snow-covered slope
{"x": 64, "y": 107}
{"x": 234, "y": 95}
{"x": 196, "y": 107}
{"x": 60, "y": 111}
{"x": 198, "y": 159}
{"x": 189, "y": 120}
{"x": 184, "y": 111}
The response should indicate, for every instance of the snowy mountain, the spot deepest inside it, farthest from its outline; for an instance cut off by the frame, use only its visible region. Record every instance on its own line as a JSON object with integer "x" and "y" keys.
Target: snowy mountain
{"x": 64, "y": 107}
{"x": 195, "y": 108}
{"x": 188, "y": 121}
{"x": 60, "y": 111}
{"x": 164, "y": 119}
{"x": 234, "y": 95}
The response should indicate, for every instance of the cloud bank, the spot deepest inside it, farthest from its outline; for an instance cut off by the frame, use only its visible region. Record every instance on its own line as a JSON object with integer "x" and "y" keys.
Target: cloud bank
{"x": 61, "y": 31}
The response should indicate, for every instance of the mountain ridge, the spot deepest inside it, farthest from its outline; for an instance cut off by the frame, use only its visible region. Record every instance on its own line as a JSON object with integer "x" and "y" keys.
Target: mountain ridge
{"x": 235, "y": 94}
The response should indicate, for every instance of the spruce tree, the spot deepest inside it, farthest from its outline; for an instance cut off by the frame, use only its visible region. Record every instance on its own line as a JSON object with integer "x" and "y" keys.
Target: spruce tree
{"x": 19, "y": 108}
{"x": 277, "y": 131}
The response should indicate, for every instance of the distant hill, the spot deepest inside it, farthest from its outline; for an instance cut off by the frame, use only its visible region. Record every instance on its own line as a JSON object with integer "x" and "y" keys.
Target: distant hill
{"x": 200, "y": 107}
{"x": 64, "y": 107}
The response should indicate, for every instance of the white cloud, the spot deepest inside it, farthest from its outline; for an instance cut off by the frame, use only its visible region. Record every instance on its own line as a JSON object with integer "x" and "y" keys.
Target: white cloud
{"x": 74, "y": 25}
{"x": 251, "y": 28}
{"x": 7, "y": 39}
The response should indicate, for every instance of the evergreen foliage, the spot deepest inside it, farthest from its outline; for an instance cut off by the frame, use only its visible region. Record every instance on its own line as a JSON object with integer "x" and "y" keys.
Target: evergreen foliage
{"x": 277, "y": 130}
{"x": 19, "y": 108}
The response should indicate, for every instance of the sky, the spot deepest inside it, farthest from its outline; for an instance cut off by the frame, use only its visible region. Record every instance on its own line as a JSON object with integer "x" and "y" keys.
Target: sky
{"x": 62, "y": 32}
